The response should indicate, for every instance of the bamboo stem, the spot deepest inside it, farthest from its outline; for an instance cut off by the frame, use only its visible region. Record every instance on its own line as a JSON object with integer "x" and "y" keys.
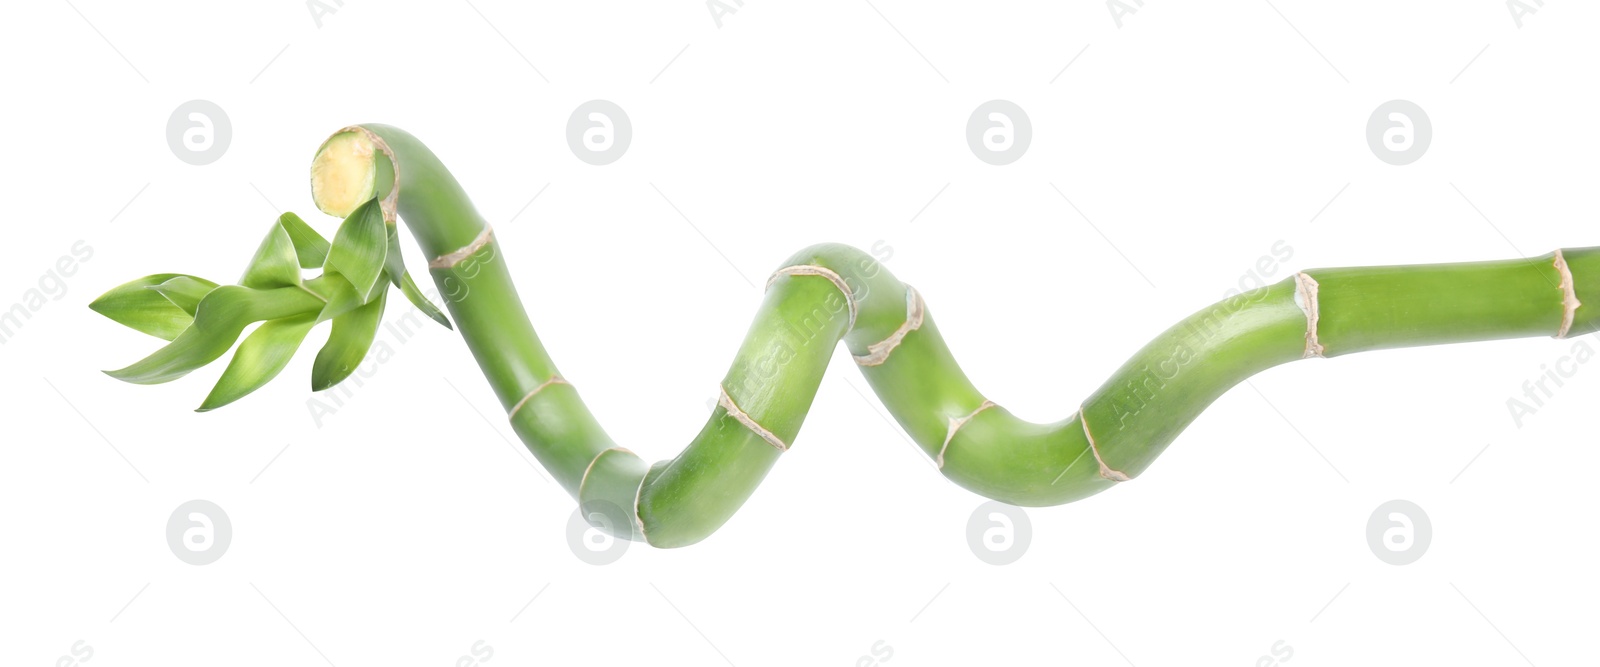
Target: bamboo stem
{"x": 829, "y": 293}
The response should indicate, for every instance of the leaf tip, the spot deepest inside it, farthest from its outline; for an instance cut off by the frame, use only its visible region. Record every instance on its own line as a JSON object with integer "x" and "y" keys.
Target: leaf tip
{"x": 213, "y": 401}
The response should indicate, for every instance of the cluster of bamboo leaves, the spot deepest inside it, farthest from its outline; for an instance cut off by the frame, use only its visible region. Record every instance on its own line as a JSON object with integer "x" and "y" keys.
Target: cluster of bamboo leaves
{"x": 202, "y": 320}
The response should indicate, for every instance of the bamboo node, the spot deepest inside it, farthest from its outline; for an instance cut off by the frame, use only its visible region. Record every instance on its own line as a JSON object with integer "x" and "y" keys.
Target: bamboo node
{"x": 1305, "y": 291}
{"x": 825, "y": 272}
{"x": 451, "y": 259}
{"x": 638, "y": 517}
{"x": 742, "y": 417}
{"x": 1569, "y": 295}
{"x": 554, "y": 379}
{"x": 878, "y": 352}
{"x": 590, "y": 468}
{"x": 955, "y": 425}
{"x": 1075, "y": 459}
{"x": 1105, "y": 470}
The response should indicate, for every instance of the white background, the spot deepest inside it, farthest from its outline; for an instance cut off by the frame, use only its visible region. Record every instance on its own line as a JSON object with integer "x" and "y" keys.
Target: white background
{"x": 407, "y": 526}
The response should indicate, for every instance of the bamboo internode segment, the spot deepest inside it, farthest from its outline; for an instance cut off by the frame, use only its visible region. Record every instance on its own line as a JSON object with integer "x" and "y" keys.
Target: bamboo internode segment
{"x": 831, "y": 293}
{"x": 820, "y": 297}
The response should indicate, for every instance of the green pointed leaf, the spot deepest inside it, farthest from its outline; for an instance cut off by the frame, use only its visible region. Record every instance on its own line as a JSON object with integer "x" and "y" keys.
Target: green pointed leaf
{"x": 135, "y": 305}
{"x": 394, "y": 263}
{"x": 275, "y": 263}
{"x": 185, "y": 292}
{"x": 309, "y": 246}
{"x": 408, "y": 287}
{"x": 341, "y": 296}
{"x": 219, "y": 319}
{"x": 347, "y": 345}
{"x": 259, "y": 359}
{"x": 360, "y": 249}
{"x": 395, "y": 267}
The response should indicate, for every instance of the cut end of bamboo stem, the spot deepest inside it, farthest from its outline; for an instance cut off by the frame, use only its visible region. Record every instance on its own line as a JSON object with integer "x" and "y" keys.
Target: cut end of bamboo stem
{"x": 346, "y": 173}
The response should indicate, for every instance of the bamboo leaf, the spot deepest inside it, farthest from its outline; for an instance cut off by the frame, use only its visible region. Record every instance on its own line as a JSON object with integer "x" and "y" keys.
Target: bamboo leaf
{"x": 395, "y": 266}
{"x": 259, "y": 359}
{"x": 347, "y": 345}
{"x": 275, "y": 263}
{"x": 394, "y": 263}
{"x": 341, "y": 295}
{"x": 360, "y": 249}
{"x": 309, "y": 246}
{"x": 408, "y": 287}
{"x": 136, "y": 305}
{"x": 185, "y": 292}
{"x": 219, "y": 319}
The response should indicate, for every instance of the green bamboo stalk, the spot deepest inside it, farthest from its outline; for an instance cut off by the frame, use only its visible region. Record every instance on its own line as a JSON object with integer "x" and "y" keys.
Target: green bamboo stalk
{"x": 830, "y": 293}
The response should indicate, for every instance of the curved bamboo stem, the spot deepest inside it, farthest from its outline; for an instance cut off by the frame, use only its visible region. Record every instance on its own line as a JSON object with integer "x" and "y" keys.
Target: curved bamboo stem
{"x": 831, "y": 293}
